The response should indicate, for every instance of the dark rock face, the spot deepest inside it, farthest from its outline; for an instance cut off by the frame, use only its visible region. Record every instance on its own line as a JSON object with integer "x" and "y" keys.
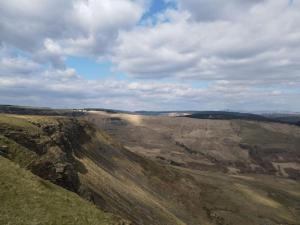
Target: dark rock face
{"x": 62, "y": 174}
{"x": 67, "y": 138}
{"x": 293, "y": 173}
{"x": 3, "y": 150}
{"x": 28, "y": 141}
{"x": 55, "y": 145}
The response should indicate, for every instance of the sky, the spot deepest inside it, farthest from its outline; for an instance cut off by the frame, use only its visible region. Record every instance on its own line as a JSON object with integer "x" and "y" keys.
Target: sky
{"x": 239, "y": 55}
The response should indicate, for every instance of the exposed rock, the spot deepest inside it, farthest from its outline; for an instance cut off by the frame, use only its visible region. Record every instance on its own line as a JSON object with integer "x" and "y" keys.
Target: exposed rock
{"x": 3, "y": 150}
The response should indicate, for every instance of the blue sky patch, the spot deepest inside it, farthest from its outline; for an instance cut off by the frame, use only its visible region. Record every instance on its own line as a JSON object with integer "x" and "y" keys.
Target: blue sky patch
{"x": 158, "y": 6}
{"x": 89, "y": 68}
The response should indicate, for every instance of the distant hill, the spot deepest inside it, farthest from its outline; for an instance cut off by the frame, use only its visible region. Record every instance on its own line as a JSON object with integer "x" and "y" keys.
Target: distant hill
{"x": 287, "y": 118}
{"x": 225, "y": 115}
{"x": 106, "y": 110}
{"x": 161, "y": 113}
{"x": 26, "y": 110}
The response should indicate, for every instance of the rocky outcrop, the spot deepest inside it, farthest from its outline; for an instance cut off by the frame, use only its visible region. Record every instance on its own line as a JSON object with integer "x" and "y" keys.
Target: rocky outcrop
{"x": 4, "y": 150}
{"x": 55, "y": 146}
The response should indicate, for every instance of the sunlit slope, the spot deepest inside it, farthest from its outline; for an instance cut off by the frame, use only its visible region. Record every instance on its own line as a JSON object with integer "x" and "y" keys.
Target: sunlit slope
{"x": 28, "y": 199}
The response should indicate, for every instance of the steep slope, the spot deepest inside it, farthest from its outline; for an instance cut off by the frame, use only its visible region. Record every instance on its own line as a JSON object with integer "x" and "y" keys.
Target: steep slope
{"x": 232, "y": 146}
{"x": 76, "y": 155}
{"x": 27, "y": 199}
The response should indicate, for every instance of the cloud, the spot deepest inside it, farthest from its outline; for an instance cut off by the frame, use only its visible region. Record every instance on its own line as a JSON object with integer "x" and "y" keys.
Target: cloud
{"x": 52, "y": 29}
{"x": 64, "y": 88}
{"x": 261, "y": 44}
{"x": 24, "y": 24}
{"x": 209, "y": 10}
{"x": 17, "y": 65}
{"x": 25, "y": 82}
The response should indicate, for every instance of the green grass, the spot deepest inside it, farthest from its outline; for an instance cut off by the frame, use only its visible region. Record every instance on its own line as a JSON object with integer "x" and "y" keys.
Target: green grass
{"x": 15, "y": 121}
{"x": 17, "y": 153}
{"x": 21, "y": 125}
{"x": 28, "y": 200}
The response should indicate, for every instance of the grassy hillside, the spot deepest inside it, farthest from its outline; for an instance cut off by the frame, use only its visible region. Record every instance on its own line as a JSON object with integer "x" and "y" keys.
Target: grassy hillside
{"x": 76, "y": 155}
{"x": 231, "y": 146}
{"x": 27, "y": 199}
